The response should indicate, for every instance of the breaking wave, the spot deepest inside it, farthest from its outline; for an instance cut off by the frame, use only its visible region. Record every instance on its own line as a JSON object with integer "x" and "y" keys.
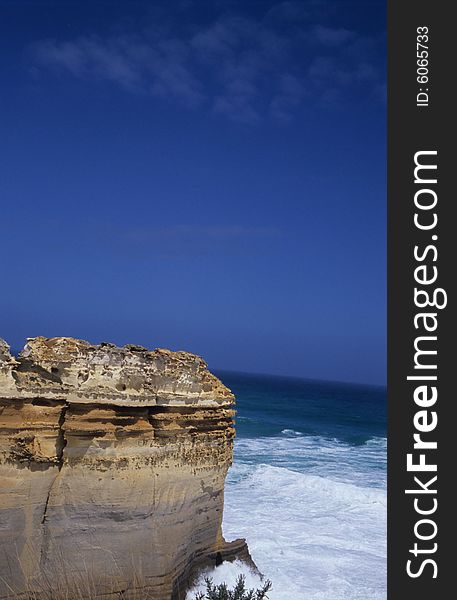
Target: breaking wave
{"x": 313, "y": 511}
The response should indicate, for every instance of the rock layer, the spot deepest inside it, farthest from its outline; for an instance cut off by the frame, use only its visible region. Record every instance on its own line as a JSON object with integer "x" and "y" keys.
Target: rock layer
{"x": 112, "y": 470}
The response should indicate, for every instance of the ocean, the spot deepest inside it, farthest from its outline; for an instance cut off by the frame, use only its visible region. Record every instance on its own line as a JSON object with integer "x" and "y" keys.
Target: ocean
{"x": 308, "y": 487}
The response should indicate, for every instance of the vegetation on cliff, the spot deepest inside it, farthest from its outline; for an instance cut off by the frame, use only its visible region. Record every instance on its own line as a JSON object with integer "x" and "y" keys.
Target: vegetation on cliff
{"x": 239, "y": 592}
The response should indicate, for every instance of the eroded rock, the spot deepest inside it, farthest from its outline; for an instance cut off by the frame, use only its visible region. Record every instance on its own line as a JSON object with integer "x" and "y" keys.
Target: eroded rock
{"x": 112, "y": 469}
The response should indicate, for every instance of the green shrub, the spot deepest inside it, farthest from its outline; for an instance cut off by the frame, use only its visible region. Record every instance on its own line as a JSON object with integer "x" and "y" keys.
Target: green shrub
{"x": 239, "y": 592}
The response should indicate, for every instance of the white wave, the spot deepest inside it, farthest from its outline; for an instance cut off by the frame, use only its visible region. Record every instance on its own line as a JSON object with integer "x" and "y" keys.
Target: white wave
{"x": 364, "y": 464}
{"x": 314, "y": 537}
{"x": 291, "y": 432}
{"x": 313, "y": 511}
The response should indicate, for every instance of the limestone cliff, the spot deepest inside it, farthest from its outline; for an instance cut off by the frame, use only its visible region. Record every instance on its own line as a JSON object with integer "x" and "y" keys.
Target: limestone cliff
{"x": 112, "y": 470}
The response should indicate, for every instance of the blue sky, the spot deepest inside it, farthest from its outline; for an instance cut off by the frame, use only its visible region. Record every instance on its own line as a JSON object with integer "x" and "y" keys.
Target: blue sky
{"x": 207, "y": 176}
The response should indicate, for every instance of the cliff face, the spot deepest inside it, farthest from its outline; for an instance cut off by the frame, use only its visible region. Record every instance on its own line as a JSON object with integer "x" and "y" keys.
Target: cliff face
{"x": 112, "y": 469}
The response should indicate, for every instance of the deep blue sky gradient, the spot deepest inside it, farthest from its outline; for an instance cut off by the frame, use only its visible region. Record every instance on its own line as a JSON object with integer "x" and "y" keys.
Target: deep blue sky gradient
{"x": 207, "y": 176}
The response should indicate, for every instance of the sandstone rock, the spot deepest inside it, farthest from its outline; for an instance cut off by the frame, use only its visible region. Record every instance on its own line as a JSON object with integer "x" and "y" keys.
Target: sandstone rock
{"x": 112, "y": 470}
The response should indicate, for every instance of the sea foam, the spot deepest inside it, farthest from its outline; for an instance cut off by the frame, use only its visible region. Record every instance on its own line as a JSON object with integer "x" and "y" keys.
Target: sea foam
{"x": 313, "y": 512}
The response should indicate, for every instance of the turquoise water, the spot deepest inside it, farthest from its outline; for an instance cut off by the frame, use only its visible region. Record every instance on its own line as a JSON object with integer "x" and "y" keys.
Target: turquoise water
{"x": 308, "y": 486}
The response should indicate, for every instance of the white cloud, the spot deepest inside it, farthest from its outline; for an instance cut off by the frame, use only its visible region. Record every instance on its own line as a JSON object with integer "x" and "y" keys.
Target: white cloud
{"x": 242, "y": 68}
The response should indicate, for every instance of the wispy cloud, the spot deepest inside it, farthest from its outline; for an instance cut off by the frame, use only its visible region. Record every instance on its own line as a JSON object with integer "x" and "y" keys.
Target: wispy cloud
{"x": 160, "y": 68}
{"x": 290, "y": 10}
{"x": 239, "y": 67}
{"x": 329, "y": 36}
{"x": 184, "y": 241}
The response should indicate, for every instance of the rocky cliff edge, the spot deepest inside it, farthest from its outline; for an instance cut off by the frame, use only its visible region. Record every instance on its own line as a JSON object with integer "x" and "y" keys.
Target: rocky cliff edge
{"x": 112, "y": 470}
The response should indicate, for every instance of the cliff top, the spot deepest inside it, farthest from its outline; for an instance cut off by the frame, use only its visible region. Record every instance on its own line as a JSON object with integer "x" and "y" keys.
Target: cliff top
{"x": 81, "y": 372}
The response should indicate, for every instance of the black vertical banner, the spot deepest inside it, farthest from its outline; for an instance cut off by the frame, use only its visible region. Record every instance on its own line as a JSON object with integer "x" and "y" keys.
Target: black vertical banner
{"x": 422, "y": 248}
